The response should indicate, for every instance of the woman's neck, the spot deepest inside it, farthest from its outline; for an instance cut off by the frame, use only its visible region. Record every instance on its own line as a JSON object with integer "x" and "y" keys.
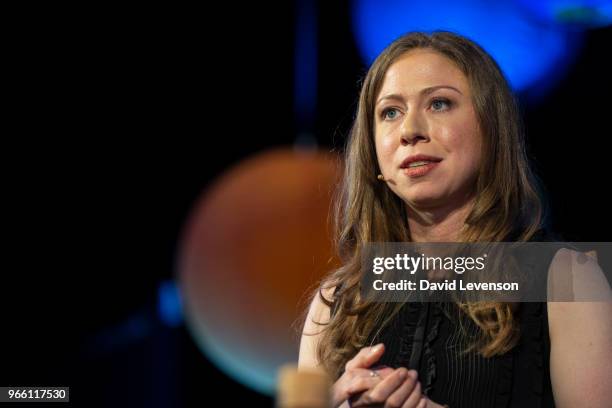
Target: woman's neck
{"x": 440, "y": 224}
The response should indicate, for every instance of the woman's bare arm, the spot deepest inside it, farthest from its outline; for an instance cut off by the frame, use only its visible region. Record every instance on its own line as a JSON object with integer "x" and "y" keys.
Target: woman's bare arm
{"x": 318, "y": 312}
{"x": 581, "y": 344}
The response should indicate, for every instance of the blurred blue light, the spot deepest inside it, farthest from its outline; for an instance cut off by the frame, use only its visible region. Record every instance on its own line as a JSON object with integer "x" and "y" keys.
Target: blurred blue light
{"x": 251, "y": 371}
{"x": 169, "y": 304}
{"x": 132, "y": 330}
{"x": 532, "y": 55}
{"x": 585, "y": 13}
{"x": 305, "y": 64}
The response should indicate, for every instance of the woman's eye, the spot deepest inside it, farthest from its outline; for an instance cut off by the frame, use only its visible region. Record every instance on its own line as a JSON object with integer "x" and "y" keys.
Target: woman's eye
{"x": 389, "y": 114}
{"x": 440, "y": 104}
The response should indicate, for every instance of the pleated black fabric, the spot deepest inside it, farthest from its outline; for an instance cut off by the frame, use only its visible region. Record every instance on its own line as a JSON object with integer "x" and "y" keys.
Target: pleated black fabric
{"x": 433, "y": 338}
{"x": 450, "y": 374}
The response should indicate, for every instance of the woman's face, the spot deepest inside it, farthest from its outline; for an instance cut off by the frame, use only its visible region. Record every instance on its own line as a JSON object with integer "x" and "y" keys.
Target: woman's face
{"x": 425, "y": 108}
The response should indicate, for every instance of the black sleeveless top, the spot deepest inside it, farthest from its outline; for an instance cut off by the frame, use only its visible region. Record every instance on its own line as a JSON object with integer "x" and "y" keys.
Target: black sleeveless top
{"x": 432, "y": 338}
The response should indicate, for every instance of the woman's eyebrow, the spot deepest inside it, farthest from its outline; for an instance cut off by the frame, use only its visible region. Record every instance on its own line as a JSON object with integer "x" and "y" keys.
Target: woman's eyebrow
{"x": 428, "y": 90}
{"x": 424, "y": 91}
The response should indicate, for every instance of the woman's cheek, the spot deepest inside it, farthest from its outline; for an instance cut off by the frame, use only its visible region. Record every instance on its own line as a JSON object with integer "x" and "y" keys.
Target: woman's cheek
{"x": 382, "y": 152}
{"x": 386, "y": 145}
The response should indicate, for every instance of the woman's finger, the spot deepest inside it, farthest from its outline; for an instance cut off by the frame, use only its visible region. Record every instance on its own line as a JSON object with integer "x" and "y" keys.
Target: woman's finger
{"x": 364, "y": 379}
{"x": 386, "y": 387}
{"x": 361, "y": 384}
{"x": 401, "y": 394}
{"x": 359, "y": 380}
{"x": 415, "y": 397}
{"x": 366, "y": 357}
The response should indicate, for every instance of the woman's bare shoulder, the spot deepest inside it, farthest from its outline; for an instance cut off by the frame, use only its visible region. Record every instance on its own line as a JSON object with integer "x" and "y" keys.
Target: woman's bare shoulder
{"x": 318, "y": 316}
{"x": 319, "y": 311}
{"x": 577, "y": 276}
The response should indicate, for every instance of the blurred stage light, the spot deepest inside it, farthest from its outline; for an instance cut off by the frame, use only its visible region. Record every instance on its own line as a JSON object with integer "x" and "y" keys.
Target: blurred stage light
{"x": 533, "y": 56}
{"x": 169, "y": 304}
{"x": 576, "y": 13}
{"x": 256, "y": 240}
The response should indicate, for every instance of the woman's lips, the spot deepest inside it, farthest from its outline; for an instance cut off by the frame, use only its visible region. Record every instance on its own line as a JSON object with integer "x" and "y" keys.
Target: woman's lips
{"x": 420, "y": 171}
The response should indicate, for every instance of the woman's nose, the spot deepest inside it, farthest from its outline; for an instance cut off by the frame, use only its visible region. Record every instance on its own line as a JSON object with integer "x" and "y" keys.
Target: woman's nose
{"x": 412, "y": 129}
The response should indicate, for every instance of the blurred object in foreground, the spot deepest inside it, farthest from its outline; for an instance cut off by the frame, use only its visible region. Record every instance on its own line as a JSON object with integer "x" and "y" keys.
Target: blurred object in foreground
{"x": 254, "y": 244}
{"x": 303, "y": 389}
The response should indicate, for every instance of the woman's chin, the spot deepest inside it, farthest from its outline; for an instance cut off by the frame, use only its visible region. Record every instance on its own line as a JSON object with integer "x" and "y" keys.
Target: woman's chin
{"x": 423, "y": 201}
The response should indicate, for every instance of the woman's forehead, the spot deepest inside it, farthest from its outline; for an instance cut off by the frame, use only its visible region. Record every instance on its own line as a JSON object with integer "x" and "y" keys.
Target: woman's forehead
{"x": 419, "y": 69}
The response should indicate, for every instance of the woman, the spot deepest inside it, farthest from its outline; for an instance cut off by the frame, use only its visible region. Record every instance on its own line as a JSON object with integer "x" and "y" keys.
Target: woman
{"x": 436, "y": 154}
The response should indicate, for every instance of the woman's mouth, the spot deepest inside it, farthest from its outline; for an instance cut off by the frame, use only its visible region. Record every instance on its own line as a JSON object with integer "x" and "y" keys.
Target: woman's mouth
{"x": 419, "y": 168}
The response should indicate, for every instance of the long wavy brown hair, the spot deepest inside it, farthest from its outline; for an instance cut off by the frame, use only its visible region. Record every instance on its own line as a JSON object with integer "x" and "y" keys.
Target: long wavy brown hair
{"x": 508, "y": 204}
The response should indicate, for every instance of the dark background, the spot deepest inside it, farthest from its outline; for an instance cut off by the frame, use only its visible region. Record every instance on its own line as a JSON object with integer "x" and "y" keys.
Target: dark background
{"x": 118, "y": 118}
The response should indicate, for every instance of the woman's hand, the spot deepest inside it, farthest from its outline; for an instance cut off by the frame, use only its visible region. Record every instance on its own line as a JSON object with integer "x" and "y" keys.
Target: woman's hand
{"x": 400, "y": 388}
{"x": 357, "y": 376}
{"x": 387, "y": 388}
